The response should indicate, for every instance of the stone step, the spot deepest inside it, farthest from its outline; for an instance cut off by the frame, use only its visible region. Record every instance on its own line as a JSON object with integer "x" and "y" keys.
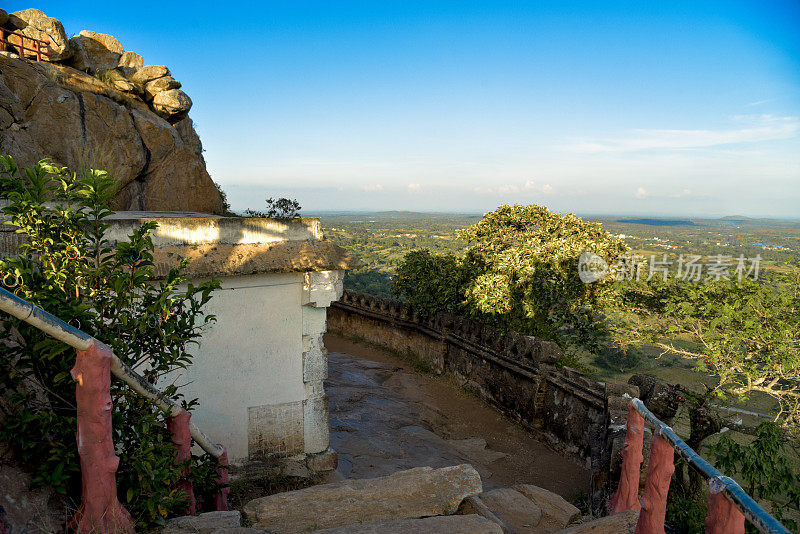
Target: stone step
{"x": 523, "y": 509}
{"x": 451, "y": 524}
{"x": 411, "y": 494}
{"x": 209, "y": 523}
{"x": 518, "y": 513}
{"x": 621, "y": 523}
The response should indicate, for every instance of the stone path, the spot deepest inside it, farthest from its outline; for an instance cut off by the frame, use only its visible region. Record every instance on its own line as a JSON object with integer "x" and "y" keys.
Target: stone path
{"x": 385, "y": 418}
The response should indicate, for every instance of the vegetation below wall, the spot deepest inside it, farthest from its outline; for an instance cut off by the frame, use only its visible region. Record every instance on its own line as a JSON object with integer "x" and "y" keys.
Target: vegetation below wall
{"x": 67, "y": 267}
{"x": 737, "y": 338}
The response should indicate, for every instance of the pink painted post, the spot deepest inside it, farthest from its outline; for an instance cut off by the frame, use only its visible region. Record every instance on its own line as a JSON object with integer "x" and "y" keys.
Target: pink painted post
{"x": 221, "y": 499}
{"x": 723, "y": 517}
{"x": 627, "y": 494}
{"x": 656, "y": 487}
{"x": 178, "y": 426}
{"x": 100, "y": 511}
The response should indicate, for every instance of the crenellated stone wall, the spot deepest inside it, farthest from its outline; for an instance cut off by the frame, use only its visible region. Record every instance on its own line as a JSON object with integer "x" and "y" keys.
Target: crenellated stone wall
{"x": 519, "y": 374}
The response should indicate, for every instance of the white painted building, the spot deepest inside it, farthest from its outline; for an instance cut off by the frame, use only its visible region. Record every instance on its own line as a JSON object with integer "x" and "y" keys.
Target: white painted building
{"x": 258, "y": 371}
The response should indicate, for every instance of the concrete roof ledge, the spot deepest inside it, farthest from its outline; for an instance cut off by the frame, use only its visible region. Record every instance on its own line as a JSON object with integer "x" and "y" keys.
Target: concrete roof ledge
{"x": 229, "y": 246}
{"x": 177, "y": 228}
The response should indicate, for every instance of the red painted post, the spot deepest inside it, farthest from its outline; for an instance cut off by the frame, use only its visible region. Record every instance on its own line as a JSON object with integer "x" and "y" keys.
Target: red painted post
{"x": 178, "y": 426}
{"x": 100, "y": 511}
{"x": 221, "y": 498}
{"x": 656, "y": 486}
{"x": 627, "y": 494}
{"x": 723, "y": 517}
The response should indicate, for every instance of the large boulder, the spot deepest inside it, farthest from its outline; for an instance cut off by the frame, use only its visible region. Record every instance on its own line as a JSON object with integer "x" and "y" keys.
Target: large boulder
{"x": 148, "y": 73}
{"x": 33, "y": 23}
{"x": 420, "y": 492}
{"x": 513, "y": 509}
{"x": 130, "y": 60}
{"x": 159, "y": 85}
{"x": 172, "y": 104}
{"x": 95, "y": 52}
{"x": 556, "y": 511}
{"x": 49, "y": 111}
{"x": 3, "y": 17}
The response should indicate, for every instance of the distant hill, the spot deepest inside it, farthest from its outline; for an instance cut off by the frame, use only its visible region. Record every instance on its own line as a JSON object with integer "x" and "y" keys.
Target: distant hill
{"x": 659, "y": 222}
{"x": 737, "y": 218}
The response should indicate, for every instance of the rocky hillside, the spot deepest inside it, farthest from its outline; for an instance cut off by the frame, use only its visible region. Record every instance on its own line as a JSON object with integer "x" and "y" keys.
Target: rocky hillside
{"x": 91, "y": 103}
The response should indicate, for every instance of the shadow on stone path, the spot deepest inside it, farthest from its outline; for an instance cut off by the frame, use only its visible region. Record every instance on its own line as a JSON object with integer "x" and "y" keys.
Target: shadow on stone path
{"x": 385, "y": 417}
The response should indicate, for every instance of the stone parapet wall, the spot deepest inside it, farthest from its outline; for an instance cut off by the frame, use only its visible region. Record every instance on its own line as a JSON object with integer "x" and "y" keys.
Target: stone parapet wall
{"x": 519, "y": 374}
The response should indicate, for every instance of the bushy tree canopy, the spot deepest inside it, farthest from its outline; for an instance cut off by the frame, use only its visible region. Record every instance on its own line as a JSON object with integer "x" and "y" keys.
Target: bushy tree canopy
{"x": 520, "y": 272}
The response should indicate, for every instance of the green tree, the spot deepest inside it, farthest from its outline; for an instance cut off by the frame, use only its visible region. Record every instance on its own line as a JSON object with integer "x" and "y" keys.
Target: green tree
{"x": 744, "y": 334}
{"x": 430, "y": 282}
{"x": 764, "y": 469}
{"x": 520, "y": 272}
{"x": 66, "y": 266}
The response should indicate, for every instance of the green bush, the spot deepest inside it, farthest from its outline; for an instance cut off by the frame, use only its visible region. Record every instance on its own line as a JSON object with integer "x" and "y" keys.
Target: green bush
{"x": 67, "y": 267}
{"x": 764, "y": 470}
{"x": 520, "y": 272}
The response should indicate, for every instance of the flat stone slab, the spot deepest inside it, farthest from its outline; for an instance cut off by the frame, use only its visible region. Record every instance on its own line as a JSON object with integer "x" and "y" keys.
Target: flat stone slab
{"x": 556, "y": 511}
{"x": 515, "y": 510}
{"x": 451, "y": 524}
{"x": 621, "y": 523}
{"x": 415, "y": 493}
{"x": 207, "y": 523}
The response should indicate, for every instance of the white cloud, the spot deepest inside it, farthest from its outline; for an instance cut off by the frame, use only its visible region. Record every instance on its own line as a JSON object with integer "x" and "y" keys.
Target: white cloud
{"x": 372, "y": 187}
{"x": 641, "y": 193}
{"x": 413, "y": 188}
{"x": 758, "y": 128}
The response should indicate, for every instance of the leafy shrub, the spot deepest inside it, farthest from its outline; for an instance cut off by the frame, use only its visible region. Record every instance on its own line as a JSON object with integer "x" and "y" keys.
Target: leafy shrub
{"x": 67, "y": 267}
{"x": 281, "y": 208}
{"x": 763, "y": 469}
{"x": 520, "y": 272}
{"x": 430, "y": 282}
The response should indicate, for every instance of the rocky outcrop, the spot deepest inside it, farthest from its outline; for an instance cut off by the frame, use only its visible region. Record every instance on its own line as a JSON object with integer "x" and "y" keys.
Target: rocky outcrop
{"x": 25, "y": 510}
{"x": 412, "y": 494}
{"x": 54, "y": 111}
{"x": 36, "y": 25}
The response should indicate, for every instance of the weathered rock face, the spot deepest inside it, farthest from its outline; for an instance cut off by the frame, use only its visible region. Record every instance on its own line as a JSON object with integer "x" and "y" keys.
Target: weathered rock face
{"x": 416, "y": 493}
{"x": 26, "y": 510}
{"x": 35, "y": 24}
{"x": 49, "y": 110}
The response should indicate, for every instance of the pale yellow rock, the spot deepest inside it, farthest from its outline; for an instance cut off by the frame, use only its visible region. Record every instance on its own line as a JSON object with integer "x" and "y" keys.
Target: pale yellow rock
{"x": 131, "y": 60}
{"x": 160, "y": 85}
{"x": 415, "y": 493}
{"x": 142, "y": 75}
{"x": 95, "y": 52}
{"x": 171, "y": 103}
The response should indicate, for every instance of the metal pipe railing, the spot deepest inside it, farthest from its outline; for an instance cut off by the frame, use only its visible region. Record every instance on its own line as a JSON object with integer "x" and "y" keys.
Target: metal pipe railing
{"x": 55, "y": 327}
{"x": 724, "y": 484}
{"x": 36, "y": 47}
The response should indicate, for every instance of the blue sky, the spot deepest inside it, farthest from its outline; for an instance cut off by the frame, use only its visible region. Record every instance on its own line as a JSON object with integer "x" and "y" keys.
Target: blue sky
{"x": 645, "y": 107}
